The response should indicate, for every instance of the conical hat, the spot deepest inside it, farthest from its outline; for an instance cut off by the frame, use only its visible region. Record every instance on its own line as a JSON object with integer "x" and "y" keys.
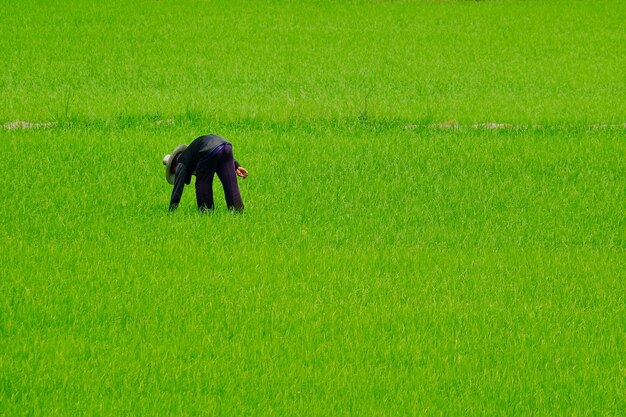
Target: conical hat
{"x": 168, "y": 160}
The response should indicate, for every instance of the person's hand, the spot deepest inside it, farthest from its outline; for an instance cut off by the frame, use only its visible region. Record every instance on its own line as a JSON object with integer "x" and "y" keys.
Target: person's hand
{"x": 242, "y": 172}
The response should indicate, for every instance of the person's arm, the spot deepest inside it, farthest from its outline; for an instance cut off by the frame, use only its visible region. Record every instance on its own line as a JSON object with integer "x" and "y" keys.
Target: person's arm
{"x": 179, "y": 185}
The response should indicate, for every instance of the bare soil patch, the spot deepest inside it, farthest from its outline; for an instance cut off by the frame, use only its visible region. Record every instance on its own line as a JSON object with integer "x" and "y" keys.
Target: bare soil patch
{"x": 21, "y": 124}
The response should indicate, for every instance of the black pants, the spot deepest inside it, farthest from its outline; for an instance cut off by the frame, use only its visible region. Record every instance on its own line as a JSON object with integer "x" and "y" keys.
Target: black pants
{"x": 221, "y": 162}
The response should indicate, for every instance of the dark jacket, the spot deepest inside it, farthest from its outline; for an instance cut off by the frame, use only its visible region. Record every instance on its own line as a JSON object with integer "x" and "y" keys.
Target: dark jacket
{"x": 187, "y": 160}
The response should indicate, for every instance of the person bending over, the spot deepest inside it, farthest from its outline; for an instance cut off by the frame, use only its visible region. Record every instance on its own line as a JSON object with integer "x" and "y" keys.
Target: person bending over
{"x": 204, "y": 157}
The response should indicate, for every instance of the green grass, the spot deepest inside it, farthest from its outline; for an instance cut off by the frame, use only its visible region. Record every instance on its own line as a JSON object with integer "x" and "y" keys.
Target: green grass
{"x": 383, "y": 266}
{"x": 513, "y": 61}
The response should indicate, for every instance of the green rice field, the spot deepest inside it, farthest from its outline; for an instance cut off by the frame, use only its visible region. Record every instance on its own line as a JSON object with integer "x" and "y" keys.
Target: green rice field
{"x": 434, "y": 223}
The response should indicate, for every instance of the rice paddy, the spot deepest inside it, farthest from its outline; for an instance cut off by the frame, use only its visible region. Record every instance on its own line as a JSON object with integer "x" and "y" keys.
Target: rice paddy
{"x": 434, "y": 218}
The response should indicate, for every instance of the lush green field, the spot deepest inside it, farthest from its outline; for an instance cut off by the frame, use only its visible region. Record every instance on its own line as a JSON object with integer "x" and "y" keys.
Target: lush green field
{"x": 393, "y": 259}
